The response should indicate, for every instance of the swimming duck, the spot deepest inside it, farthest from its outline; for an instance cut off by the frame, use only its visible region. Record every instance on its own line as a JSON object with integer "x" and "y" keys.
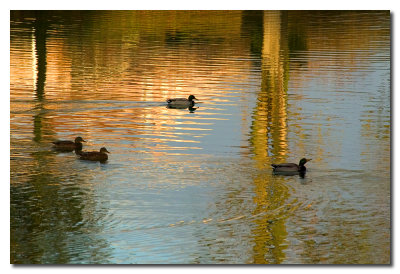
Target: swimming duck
{"x": 181, "y": 102}
{"x": 69, "y": 145}
{"x": 291, "y": 167}
{"x": 95, "y": 155}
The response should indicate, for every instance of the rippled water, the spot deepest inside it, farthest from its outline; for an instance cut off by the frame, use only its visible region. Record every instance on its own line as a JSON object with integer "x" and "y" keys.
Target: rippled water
{"x": 195, "y": 186}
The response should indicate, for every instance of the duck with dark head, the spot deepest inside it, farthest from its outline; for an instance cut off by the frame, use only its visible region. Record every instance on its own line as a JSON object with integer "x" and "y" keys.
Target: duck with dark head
{"x": 291, "y": 168}
{"x": 100, "y": 156}
{"x": 68, "y": 146}
{"x": 181, "y": 102}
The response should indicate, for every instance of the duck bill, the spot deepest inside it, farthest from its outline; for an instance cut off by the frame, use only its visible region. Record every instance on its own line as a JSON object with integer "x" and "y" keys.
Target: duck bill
{"x": 308, "y": 160}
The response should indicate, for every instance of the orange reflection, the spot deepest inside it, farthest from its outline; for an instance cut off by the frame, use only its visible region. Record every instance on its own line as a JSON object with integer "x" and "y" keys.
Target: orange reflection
{"x": 152, "y": 62}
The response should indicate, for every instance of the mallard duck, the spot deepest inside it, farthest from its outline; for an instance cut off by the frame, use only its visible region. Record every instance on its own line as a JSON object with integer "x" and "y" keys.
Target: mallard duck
{"x": 181, "y": 102}
{"x": 291, "y": 167}
{"x": 69, "y": 145}
{"x": 95, "y": 155}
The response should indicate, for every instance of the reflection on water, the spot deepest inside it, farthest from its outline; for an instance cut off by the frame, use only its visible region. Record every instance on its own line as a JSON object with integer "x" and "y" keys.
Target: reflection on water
{"x": 194, "y": 185}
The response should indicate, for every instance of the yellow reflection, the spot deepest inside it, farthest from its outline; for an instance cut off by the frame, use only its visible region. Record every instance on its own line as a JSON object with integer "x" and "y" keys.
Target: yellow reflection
{"x": 34, "y": 60}
{"x": 269, "y": 136}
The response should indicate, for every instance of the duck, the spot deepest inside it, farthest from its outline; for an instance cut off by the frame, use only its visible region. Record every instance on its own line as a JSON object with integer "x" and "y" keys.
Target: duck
{"x": 95, "y": 155}
{"x": 291, "y": 167}
{"x": 62, "y": 145}
{"x": 181, "y": 102}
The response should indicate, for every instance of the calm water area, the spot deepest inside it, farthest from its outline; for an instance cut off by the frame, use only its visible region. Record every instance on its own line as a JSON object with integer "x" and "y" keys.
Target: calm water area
{"x": 195, "y": 186}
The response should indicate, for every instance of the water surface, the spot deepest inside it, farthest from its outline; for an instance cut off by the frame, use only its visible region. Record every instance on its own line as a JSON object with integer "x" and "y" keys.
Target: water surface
{"x": 195, "y": 186}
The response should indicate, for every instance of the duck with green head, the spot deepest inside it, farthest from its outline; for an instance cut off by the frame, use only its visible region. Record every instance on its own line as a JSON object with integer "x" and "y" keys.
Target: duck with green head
{"x": 95, "y": 155}
{"x": 62, "y": 145}
{"x": 291, "y": 167}
{"x": 181, "y": 102}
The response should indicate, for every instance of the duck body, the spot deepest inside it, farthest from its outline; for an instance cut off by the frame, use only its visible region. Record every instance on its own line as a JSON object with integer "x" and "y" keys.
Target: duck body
{"x": 100, "y": 156}
{"x": 291, "y": 167}
{"x": 68, "y": 146}
{"x": 181, "y": 102}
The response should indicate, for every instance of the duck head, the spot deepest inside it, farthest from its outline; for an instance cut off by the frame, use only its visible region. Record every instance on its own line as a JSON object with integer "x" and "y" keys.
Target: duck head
{"x": 191, "y": 98}
{"x": 79, "y": 140}
{"x": 104, "y": 150}
{"x": 303, "y": 161}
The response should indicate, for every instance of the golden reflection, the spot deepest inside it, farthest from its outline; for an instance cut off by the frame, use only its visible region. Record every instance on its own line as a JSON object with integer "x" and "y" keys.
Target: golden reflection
{"x": 269, "y": 129}
{"x": 34, "y": 60}
{"x": 269, "y": 138}
{"x": 270, "y": 231}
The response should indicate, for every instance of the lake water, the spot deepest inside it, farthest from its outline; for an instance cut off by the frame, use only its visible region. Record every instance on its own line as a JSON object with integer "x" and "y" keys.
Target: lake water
{"x": 196, "y": 186}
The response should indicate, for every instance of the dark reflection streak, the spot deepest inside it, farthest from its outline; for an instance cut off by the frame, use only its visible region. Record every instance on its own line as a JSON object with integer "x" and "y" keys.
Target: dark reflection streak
{"x": 40, "y": 27}
{"x": 252, "y": 26}
{"x": 40, "y": 36}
